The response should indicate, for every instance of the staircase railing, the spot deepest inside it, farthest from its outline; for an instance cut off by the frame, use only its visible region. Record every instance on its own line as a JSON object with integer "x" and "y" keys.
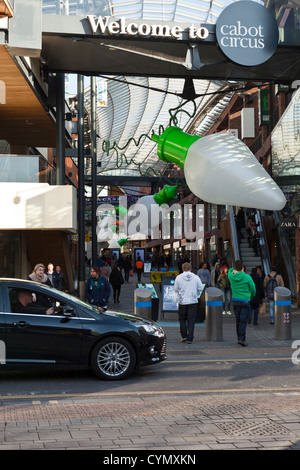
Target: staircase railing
{"x": 234, "y": 235}
{"x": 262, "y": 241}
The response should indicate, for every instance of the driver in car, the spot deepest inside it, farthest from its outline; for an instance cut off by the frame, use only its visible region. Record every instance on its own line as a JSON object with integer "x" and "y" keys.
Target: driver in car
{"x": 25, "y": 305}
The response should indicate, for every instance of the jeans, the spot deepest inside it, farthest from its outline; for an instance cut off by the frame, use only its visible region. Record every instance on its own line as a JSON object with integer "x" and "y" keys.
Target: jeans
{"x": 241, "y": 312}
{"x": 226, "y": 299}
{"x": 271, "y": 307}
{"x": 187, "y": 317}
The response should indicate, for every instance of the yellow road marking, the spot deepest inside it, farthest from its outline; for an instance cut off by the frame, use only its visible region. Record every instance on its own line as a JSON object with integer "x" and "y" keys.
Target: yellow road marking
{"x": 229, "y": 360}
{"x": 152, "y": 392}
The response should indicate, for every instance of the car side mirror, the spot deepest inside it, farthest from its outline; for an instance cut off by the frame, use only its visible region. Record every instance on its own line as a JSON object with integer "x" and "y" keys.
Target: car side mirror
{"x": 68, "y": 311}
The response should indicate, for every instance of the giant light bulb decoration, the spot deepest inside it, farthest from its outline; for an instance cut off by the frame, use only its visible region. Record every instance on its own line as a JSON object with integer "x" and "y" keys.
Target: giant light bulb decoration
{"x": 220, "y": 169}
{"x": 148, "y": 211}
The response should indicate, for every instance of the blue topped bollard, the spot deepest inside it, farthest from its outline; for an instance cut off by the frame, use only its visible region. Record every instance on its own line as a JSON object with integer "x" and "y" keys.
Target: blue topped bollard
{"x": 213, "y": 313}
{"x": 282, "y": 311}
{"x": 143, "y": 303}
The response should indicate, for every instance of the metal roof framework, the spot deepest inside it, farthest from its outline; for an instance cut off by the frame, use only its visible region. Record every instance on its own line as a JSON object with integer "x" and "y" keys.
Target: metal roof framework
{"x": 137, "y": 105}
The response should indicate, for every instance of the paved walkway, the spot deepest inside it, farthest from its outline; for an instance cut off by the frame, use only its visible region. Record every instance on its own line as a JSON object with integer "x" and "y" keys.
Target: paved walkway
{"x": 171, "y": 421}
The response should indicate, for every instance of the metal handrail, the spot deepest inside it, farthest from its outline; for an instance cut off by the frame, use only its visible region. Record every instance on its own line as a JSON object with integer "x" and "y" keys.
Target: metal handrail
{"x": 262, "y": 240}
{"x": 234, "y": 235}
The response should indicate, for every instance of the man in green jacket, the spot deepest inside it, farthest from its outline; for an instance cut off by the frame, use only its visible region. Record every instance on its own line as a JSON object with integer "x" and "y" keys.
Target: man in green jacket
{"x": 243, "y": 288}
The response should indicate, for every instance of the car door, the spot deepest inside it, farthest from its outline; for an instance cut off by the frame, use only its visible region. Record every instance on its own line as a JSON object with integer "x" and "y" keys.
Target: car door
{"x": 42, "y": 338}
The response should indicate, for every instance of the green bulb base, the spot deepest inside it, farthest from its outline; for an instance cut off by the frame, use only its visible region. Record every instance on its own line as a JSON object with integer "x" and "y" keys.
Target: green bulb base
{"x": 173, "y": 145}
{"x": 166, "y": 195}
{"x": 122, "y": 241}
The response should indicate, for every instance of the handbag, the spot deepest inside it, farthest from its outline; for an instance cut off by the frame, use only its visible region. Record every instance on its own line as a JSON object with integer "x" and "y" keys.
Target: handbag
{"x": 131, "y": 273}
{"x": 262, "y": 308}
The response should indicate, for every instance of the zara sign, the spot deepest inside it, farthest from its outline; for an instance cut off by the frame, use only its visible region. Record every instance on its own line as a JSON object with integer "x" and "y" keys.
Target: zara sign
{"x": 247, "y": 33}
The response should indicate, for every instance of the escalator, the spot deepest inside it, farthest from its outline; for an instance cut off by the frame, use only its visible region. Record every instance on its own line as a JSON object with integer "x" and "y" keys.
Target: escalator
{"x": 241, "y": 249}
{"x": 282, "y": 252}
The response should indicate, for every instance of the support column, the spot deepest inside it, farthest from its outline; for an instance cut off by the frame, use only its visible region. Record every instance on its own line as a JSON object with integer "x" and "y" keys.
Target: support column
{"x": 60, "y": 129}
{"x": 94, "y": 169}
{"x": 81, "y": 195}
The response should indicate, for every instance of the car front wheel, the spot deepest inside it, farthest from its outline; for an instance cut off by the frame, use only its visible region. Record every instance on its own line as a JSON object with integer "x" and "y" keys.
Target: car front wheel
{"x": 113, "y": 359}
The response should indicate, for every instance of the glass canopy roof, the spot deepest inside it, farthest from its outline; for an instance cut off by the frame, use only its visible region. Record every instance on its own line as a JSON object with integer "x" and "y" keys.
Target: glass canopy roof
{"x": 136, "y": 106}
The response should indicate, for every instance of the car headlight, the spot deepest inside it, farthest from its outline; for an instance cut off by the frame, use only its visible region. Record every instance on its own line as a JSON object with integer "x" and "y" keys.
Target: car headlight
{"x": 151, "y": 329}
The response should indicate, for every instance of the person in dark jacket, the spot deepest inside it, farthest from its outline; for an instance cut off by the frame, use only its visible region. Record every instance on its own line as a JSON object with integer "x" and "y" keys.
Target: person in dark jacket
{"x": 116, "y": 280}
{"x": 97, "y": 289}
{"x": 59, "y": 279}
{"x": 257, "y": 300}
{"x": 127, "y": 266}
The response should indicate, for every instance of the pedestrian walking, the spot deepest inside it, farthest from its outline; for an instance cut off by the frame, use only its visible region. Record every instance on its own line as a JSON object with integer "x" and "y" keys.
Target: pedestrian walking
{"x": 204, "y": 274}
{"x": 105, "y": 270}
{"x": 257, "y": 300}
{"x": 139, "y": 268}
{"x": 116, "y": 280}
{"x": 38, "y": 275}
{"x": 188, "y": 287}
{"x": 50, "y": 273}
{"x": 127, "y": 266}
{"x": 97, "y": 289}
{"x": 271, "y": 281}
{"x": 243, "y": 288}
{"x": 59, "y": 279}
{"x": 224, "y": 284}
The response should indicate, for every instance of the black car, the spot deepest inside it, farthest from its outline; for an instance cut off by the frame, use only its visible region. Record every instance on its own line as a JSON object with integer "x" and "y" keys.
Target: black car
{"x": 58, "y": 328}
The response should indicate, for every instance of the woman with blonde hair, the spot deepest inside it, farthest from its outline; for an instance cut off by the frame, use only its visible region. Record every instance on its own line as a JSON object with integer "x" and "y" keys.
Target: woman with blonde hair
{"x": 38, "y": 275}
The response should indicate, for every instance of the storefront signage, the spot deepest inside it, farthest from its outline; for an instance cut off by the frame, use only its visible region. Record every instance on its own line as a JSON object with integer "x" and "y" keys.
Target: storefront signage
{"x": 247, "y": 33}
{"x": 264, "y": 110}
{"x": 289, "y": 223}
{"x": 123, "y": 27}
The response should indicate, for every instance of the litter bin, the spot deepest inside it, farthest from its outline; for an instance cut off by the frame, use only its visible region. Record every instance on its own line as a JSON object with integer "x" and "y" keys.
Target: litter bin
{"x": 282, "y": 312}
{"x": 142, "y": 303}
{"x": 213, "y": 313}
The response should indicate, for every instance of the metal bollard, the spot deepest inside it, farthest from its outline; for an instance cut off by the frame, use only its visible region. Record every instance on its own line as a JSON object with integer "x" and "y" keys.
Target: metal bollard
{"x": 213, "y": 311}
{"x": 142, "y": 303}
{"x": 282, "y": 312}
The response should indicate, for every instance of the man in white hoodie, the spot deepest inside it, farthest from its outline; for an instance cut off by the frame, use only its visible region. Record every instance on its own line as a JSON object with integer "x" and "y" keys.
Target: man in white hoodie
{"x": 188, "y": 287}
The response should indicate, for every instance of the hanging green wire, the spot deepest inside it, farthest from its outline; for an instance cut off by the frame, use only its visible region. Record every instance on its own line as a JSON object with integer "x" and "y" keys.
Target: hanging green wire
{"x": 121, "y": 159}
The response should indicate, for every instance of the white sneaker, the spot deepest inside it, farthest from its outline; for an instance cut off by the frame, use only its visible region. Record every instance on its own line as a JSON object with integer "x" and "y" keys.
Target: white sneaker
{"x": 223, "y": 313}
{"x": 228, "y": 313}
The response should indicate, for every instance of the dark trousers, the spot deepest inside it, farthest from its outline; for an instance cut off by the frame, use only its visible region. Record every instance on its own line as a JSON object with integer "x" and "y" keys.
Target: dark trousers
{"x": 116, "y": 292}
{"x": 187, "y": 317}
{"x": 241, "y": 312}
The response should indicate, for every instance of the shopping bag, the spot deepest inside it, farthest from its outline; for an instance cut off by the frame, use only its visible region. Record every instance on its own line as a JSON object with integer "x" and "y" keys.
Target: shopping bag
{"x": 262, "y": 308}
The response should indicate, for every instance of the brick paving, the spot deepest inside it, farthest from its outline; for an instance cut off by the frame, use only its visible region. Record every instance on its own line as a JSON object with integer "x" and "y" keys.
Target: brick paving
{"x": 266, "y": 420}
{"x": 243, "y": 421}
